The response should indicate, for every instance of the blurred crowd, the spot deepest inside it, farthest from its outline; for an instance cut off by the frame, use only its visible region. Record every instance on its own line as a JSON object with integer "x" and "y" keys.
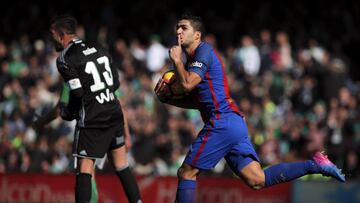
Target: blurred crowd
{"x": 297, "y": 99}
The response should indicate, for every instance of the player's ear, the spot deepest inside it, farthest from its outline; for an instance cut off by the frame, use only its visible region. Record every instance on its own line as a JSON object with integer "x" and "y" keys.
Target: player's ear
{"x": 197, "y": 35}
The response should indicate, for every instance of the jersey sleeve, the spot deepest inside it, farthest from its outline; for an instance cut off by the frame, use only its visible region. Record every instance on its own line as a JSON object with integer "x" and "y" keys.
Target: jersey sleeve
{"x": 71, "y": 77}
{"x": 65, "y": 94}
{"x": 201, "y": 61}
{"x": 69, "y": 73}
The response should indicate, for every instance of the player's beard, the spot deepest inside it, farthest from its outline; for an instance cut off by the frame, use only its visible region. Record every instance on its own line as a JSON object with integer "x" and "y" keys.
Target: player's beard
{"x": 57, "y": 45}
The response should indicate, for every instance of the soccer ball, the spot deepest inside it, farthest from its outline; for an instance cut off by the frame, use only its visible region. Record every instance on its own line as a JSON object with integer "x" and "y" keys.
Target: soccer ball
{"x": 173, "y": 89}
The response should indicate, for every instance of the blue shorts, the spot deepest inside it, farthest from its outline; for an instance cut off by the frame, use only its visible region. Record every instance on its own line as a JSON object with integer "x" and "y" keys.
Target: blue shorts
{"x": 225, "y": 137}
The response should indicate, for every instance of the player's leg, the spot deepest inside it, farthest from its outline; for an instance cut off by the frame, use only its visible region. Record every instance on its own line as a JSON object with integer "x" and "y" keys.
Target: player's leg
{"x": 256, "y": 178}
{"x": 205, "y": 152}
{"x": 94, "y": 192}
{"x": 285, "y": 172}
{"x": 186, "y": 184}
{"x": 244, "y": 161}
{"x": 122, "y": 170}
{"x": 118, "y": 158}
{"x": 99, "y": 163}
{"x": 89, "y": 145}
{"x": 242, "y": 158}
{"x": 83, "y": 180}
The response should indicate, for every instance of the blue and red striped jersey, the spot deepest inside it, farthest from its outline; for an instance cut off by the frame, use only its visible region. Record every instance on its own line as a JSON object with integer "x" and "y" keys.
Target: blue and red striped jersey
{"x": 212, "y": 93}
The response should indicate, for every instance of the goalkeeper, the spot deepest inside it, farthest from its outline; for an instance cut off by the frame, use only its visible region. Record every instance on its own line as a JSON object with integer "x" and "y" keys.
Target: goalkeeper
{"x": 61, "y": 110}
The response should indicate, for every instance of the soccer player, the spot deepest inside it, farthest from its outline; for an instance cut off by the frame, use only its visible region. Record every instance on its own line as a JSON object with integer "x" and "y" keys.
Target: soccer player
{"x": 59, "y": 110}
{"x": 225, "y": 133}
{"x": 88, "y": 70}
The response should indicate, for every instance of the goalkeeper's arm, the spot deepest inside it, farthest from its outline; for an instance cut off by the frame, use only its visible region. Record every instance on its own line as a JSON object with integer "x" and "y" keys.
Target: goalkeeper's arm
{"x": 43, "y": 120}
{"x": 59, "y": 110}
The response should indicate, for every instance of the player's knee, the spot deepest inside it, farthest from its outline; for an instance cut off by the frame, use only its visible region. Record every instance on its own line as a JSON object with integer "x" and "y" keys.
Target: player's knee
{"x": 256, "y": 181}
{"x": 253, "y": 175}
{"x": 187, "y": 173}
{"x": 120, "y": 163}
{"x": 119, "y": 157}
{"x": 183, "y": 174}
{"x": 86, "y": 165}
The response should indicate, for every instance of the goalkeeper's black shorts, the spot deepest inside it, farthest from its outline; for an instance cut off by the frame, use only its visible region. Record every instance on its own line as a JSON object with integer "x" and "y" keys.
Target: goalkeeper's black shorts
{"x": 94, "y": 143}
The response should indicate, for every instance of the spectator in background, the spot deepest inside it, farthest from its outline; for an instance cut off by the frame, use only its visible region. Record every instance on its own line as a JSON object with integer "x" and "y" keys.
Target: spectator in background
{"x": 352, "y": 166}
{"x": 211, "y": 39}
{"x": 335, "y": 77}
{"x": 282, "y": 58}
{"x": 247, "y": 57}
{"x": 306, "y": 95}
{"x": 265, "y": 48}
{"x": 137, "y": 50}
{"x": 156, "y": 55}
{"x": 17, "y": 67}
{"x": 317, "y": 52}
{"x": 120, "y": 52}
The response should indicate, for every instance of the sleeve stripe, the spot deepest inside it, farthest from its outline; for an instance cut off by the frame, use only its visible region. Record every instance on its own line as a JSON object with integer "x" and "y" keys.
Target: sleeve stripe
{"x": 62, "y": 54}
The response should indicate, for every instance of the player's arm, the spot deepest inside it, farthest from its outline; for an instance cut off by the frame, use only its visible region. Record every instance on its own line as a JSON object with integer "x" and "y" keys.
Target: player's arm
{"x": 127, "y": 136}
{"x": 75, "y": 99}
{"x": 186, "y": 102}
{"x": 187, "y": 79}
{"x": 128, "y": 142}
{"x": 71, "y": 77}
{"x": 64, "y": 110}
{"x": 43, "y": 120}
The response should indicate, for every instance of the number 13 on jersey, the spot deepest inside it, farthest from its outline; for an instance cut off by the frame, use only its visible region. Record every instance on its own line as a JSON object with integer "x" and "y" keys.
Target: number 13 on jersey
{"x": 92, "y": 69}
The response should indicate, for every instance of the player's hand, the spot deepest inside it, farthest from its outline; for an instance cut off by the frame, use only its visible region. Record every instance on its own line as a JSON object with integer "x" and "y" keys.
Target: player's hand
{"x": 161, "y": 90}
{"x": 66, "y": 114}
{"x": 36, "y": 124}
{"x": 175, "y": 52}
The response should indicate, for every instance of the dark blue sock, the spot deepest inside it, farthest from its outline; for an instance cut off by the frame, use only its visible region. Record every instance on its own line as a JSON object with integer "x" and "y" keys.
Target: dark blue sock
{"x": 186, "y": 191}
{"x": 285, "y": 172}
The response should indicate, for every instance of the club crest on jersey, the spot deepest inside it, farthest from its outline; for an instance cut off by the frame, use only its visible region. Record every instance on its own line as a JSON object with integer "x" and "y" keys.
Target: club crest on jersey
{"x": 196, "y": 64}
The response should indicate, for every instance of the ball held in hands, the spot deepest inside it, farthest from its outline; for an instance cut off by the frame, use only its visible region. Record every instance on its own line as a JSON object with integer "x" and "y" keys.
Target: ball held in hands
{"x": 168, "y": 87}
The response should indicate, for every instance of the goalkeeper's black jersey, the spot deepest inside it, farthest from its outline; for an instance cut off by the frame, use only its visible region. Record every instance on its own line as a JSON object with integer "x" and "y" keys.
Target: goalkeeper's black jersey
{"x": 89, "y": 66}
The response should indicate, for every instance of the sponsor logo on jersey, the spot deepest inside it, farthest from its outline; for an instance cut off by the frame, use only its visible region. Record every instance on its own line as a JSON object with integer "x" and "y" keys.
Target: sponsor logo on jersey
{"x": 89, "y": 51}
{"x": 107, "y": 96}
{"x": 196, "y": 64}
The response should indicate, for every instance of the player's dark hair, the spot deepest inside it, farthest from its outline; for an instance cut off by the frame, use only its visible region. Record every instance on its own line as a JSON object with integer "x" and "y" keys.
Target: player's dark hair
{"x": 195, "y": 21}
{"x": 64, "y": 24}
